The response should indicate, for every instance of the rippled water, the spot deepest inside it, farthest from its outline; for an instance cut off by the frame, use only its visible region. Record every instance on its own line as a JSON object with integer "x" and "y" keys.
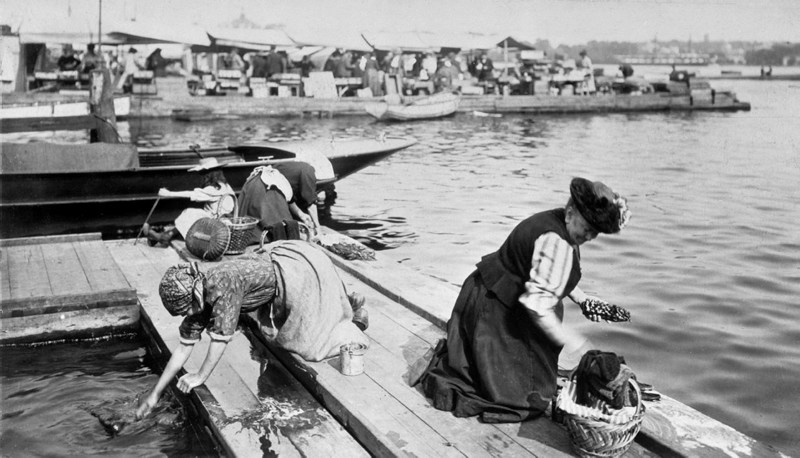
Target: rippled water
{"x": 49, "y": 391}
{"x": 709, "y": 266}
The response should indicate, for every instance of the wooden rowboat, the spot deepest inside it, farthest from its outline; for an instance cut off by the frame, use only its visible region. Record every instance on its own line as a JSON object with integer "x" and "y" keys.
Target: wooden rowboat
{"x": 435, "y": 106}
{"x": 53, "y": 189}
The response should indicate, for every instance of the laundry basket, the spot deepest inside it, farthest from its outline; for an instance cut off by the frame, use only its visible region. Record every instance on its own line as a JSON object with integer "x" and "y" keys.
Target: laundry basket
{"x": 592, "y": 431}
{"x": 241, "y": 232}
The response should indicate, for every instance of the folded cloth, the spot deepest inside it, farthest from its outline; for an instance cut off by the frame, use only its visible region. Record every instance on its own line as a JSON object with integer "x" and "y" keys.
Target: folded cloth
{"x": 602, "y": 375}
{"x": 284, "y": 230}
{"x": 292, "y": 229}
{"x": 277, "y": 232}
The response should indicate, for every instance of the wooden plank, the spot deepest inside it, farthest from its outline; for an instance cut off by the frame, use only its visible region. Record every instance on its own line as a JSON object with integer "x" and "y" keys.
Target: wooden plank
{"x": 100, "y": 268}
{"x": 72, "y": 324}
{"x": 289, "y": 407}
{"x": 42, "y": 305}
{"x": 671, "y": 425}
{"x": 64, "y": 269}
{"x": 381, "y": 422}
{"x": 67, "y": 238}
{"x": 26, "y": 272}
{"x": 5, "y": 283}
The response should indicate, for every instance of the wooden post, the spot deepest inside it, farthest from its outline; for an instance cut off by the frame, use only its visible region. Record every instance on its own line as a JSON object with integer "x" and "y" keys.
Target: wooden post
{"x": 101, "y": 98}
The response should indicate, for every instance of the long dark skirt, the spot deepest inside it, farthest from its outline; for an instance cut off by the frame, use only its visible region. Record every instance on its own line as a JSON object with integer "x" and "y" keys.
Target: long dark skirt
{"x": 269, "y": 206}
{"x": 496, "y": 361}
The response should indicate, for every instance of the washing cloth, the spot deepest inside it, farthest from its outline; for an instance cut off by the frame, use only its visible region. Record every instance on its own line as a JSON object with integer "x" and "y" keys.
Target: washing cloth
{"x": 603, "y": 375}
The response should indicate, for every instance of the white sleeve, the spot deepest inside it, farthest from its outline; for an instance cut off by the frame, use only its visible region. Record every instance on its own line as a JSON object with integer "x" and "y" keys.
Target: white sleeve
{"x": 551, "y": 265}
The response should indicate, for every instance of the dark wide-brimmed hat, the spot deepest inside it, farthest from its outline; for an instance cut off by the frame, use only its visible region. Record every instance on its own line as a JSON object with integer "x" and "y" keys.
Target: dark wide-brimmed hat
{"x": 605, "y": 210}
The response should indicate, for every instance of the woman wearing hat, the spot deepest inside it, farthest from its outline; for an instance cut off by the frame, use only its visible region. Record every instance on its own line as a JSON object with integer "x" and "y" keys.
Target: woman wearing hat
{"x": 500, "y": 358}
{"x": 217, "y": 195}
{"x": 291, "y": 289}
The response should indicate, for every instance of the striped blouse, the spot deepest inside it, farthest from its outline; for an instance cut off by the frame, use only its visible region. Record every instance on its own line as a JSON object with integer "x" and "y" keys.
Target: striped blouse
{"x": 550, "y": 269}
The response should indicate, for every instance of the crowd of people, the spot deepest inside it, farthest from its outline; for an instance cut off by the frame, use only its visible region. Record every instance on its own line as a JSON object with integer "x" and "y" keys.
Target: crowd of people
{"x": 122, "y": 65}
{"x": 442, "y": 72}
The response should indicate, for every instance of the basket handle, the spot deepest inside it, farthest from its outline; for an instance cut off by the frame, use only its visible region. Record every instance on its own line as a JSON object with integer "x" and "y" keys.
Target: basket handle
{"x": 638, "y": 391}
{"x": 235, "y": 205}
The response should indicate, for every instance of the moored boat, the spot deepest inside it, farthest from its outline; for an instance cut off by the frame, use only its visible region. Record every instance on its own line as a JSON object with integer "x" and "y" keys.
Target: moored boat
{"x": 54, "y": 114}
{"x": 53, "y": 189}
{"x": 435, "y": 106}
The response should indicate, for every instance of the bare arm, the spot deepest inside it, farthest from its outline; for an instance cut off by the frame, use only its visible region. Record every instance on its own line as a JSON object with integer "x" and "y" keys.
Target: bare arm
{"x": 577, "y": 295}
{"x": 304, "y": 217}
{"x": 215, "y": 350}
{"x": 176, "y": 362}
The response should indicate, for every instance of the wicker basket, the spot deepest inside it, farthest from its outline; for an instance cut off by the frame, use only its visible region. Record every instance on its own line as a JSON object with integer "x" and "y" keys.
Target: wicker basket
{"x": 241, "y": 232}
{"x": 208, "y": 239}
{"x": 593, "y": 432}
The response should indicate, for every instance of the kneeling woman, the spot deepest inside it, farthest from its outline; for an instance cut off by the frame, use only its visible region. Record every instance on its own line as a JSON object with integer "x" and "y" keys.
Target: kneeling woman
{"x": 500, "y": 358}
{"x": 291, "y": 289}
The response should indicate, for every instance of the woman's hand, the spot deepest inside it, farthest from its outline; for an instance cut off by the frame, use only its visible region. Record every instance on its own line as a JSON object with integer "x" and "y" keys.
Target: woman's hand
{"x": 145, "y": 406}
{"x": 189, "y": 382}
{"x": 164, "y": 192}
{"x": 305, "y": 218}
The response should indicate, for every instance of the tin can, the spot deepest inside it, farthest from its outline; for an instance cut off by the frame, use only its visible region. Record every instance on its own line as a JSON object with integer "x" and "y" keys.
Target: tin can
{"x": 351, "y": 357}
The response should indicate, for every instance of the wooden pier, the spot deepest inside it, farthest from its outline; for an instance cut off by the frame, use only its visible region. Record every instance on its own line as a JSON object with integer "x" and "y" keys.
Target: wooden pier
{"x": 262, "y": 400}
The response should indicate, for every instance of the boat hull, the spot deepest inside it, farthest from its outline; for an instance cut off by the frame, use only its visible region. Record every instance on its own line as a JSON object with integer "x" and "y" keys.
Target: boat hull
{"x": 436, "y": 106}
{"x": 114, "y": 201}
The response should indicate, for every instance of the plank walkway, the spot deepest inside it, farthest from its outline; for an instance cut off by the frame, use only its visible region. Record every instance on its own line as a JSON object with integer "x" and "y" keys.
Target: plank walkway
{"x": 391, "y": 418}
{"x": 54, "y": 287}
{"x": 263, "y": 401}
{"x": 669, "y": 428}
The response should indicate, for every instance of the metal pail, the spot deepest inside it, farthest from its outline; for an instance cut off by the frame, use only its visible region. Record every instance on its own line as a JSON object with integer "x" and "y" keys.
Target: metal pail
{"x": 351, "y": 357}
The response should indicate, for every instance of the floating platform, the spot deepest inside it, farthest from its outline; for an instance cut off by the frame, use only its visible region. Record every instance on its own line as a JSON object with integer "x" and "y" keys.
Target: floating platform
{"x": 262, "y": 400}
{"x": 175, "y": 102}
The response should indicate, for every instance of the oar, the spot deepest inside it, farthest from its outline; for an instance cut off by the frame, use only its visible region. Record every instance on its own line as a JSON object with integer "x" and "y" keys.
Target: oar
{"x": 147, "y": 220}
{"x": 194, "y": 148}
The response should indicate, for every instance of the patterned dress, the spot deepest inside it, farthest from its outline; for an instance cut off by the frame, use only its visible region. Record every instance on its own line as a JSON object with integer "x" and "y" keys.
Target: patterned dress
{"x": 293, "y": 293}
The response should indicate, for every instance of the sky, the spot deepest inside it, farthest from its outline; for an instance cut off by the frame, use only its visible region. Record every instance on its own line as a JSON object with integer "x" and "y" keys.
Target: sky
{"x": 569, "y": 22}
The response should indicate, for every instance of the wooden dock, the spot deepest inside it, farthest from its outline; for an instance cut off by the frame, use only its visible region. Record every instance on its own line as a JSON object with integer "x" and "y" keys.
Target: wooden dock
{"x": 58, "y": 287}
{"x": 265, "y": 401}
{"x": 174, "y": 100}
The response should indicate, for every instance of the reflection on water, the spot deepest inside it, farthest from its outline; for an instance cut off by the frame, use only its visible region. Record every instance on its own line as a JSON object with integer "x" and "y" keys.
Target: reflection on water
{"x": 708, "y": 265}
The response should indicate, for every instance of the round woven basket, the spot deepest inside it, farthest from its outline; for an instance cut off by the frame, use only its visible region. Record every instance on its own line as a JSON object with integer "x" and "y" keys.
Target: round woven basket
{"x": 208, "y": 239}
{"x": 240, "y": 227}
{"x": 594, "y": 434}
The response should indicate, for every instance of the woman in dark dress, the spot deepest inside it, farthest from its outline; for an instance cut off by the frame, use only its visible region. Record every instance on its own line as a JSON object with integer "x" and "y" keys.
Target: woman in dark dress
{"x": 500, "y": 358}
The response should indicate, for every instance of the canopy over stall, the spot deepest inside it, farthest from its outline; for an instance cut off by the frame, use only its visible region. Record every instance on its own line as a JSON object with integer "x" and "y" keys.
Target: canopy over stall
{"x": 225, "y": 39}
{"x": 141, "y": 33}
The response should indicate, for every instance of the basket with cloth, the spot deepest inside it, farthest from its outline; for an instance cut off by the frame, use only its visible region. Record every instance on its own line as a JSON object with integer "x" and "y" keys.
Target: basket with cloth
{"x": 601, "y": 405}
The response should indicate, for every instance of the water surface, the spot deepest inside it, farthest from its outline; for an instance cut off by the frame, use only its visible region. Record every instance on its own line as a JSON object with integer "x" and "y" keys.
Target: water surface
{"x": 709, "y": 265}
{"x": 49, "y": 392}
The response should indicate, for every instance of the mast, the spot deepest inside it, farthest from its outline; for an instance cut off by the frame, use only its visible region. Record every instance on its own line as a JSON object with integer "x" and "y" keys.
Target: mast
{"x": 100, "y": 29}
